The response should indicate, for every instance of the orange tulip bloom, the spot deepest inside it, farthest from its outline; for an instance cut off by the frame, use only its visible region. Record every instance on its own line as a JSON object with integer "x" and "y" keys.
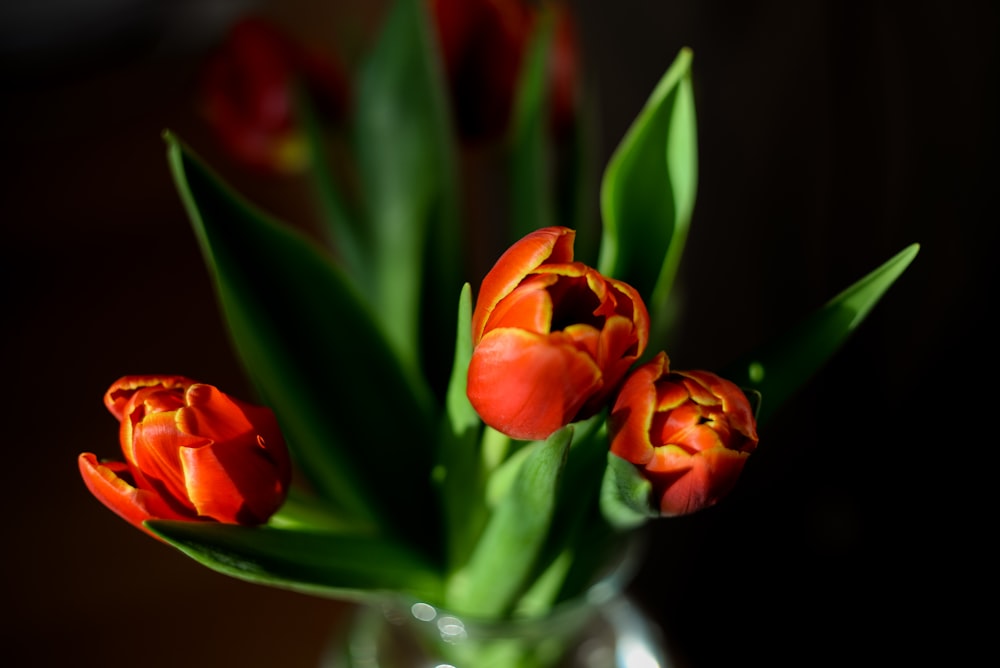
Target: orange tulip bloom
{"x": 553, "y": 337}
{"x": 690, "y": 432}
{"x": 191, "y": 453}
{"x": 247, "y": 89}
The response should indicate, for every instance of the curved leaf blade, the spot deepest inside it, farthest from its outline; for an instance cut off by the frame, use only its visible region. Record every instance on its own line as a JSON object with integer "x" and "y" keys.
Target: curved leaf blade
{"x": 406, "y": 166}
{"x": 316, "y": 355}
{"x": 626, "y": 496}
{"x": 342, "y": 224}
{"x": 505, "y": 555}
{"x": 340, "y": 566}
{"x": 459, "y": 471}
{"x": 779, "y": 367}
{"x": 648, "y": 192}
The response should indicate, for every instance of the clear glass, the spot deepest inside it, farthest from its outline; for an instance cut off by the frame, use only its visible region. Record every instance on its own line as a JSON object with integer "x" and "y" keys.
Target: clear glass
{"x": 602, "y": 629}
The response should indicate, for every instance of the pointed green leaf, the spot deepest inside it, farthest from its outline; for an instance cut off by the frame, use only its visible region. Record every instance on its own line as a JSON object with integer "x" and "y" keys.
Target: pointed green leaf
{"x": 626, "y": 496}
{"x": 577, "y": 534}
{"x": 500, "y": 567}
{"x": 596, "y": 547}
{"x": 324, "y": 564}
{"x": 576, "y": 501}
{"x": 342, "y": 226}
{"x": 318, "y": 359}
{"x": 302, "y": 510}
{"x": 458, "y": 469}
{"x": 530, "y": 159}
{"x": 544, "y": 589}
{"x": 648, "y": 192}
{"x": 407, "y": 178}
{"x": 506, "y": 468}
{"x": 461, "y": 416}
{"x": 781, "y": 366}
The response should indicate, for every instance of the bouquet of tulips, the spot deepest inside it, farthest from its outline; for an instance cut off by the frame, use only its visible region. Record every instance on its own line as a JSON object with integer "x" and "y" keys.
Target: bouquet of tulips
{"x": 418, "y": 429}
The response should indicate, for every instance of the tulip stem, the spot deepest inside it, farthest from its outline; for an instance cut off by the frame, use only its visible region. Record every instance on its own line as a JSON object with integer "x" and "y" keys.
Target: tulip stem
{"x": 495, "y": 448}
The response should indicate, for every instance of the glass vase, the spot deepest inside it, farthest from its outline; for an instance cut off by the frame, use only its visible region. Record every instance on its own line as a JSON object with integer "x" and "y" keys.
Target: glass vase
{"x": 603, "y": 628}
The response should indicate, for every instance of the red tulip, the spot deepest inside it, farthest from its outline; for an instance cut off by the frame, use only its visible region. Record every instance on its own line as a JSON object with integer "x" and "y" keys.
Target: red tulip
{"x": 553, "y": 337}
{"x": 690, "y": 432}
{"x": 191, "y": 453}
{"x": 247, "y": 89}
{"x": 483, "y": 44}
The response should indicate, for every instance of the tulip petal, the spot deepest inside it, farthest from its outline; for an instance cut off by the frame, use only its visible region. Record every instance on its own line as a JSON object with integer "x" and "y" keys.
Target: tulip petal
{"x": 668, "y": 426}
{"x": 585, "y": 338}
{"x": 670, "y": 459}
{"x": 234, "y": 482}
{"x": 527, "y": 385}
{"x": 156, "y": 445}
{"x": 123, "y": 389}
{"x": 711, "y": 476}
{"x": 549, "y": 244}
{"x": 618, "y": 349}
{"x": 734, "y": 401}
{"x": 670, "y": 395}
{"x": 212, "y": 414}
{"x": 632, "y": 416}
{"x": 105, "y": 482}
{"x": 698, "y": 385}
{"x": 698, "y": 438}
{"x": 143, "y": 401}
{"x": 528, "y": 307}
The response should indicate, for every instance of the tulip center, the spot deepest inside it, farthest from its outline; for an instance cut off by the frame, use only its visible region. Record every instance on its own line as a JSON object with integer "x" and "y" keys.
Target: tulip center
{"x": 574, "y": 303}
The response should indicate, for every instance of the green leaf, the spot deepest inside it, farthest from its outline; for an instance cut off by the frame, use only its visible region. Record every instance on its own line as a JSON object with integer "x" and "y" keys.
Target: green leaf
{"x": 576, "y": 500}
{"x": 578, "y": 535}
{"x": 458, "y": 469}
{"x": 626, "y": 496}
{"x": 460, "y": 414}
{"x": 326, "y": 564}
{"x": 341, "y": 223}
{"x": 499, "y": 569}
{"x": 779, "y": 367}
{"x": 350, "y": 412}
{"x": 594, "y": 549}
{"x": 302, "y": 510}
{"x": 648, "y": 193}
{"x": 407, "y": 176}
{"x": 544, "y": 589}
{"x": 529, "y": 157}
{"x": 503, "y": 470}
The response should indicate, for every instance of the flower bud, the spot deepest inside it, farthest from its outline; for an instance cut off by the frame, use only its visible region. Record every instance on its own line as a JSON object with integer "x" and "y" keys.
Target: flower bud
{"x": 484, "y": 43}
{"x": 191, "y": 453}
{"x": 247, "y": 90}
{"x": 552, "y": 337}
{"x": 690, "y": 432}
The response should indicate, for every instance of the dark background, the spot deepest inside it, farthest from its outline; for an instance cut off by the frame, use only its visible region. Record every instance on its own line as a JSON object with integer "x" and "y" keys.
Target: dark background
{"x": 831, "y": 136}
